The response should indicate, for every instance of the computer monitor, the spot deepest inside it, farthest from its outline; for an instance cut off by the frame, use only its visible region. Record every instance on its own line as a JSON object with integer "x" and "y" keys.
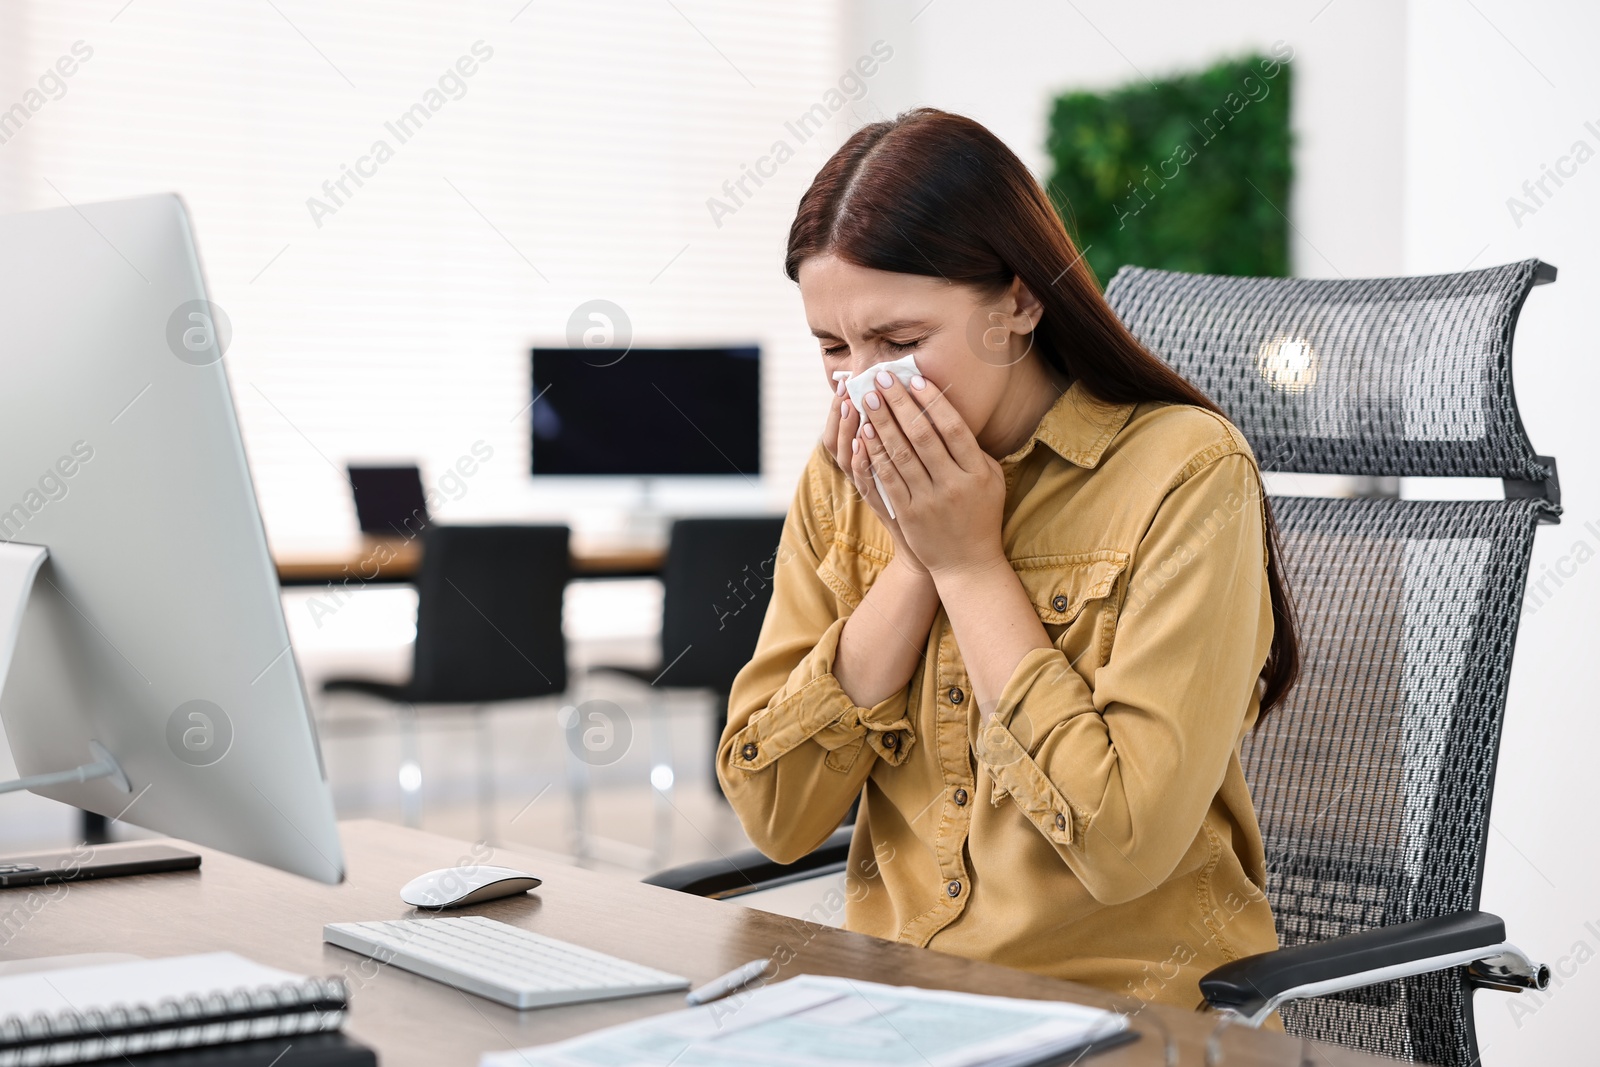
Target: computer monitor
{"x": 154, "y": 628}
{"x": 390, "y": 501}
{"x": 647, "y": 411}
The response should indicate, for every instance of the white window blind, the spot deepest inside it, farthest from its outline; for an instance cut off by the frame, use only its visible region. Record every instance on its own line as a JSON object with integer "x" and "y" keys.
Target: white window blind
{"x": 532, "y": 160}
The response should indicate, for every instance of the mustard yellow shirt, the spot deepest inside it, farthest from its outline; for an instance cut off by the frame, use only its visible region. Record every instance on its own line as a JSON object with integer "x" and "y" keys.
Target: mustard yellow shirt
{"x": 1100, "y": 829}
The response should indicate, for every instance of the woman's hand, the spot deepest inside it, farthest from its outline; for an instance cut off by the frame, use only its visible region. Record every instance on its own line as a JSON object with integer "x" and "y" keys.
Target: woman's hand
{"x": 948, "y": 493}
{"x": 843, "y": 445}
{"x": 886, "y": 636}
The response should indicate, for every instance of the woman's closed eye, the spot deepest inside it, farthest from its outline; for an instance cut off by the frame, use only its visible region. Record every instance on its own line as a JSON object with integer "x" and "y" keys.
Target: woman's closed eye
{"x": 898, "y": 346}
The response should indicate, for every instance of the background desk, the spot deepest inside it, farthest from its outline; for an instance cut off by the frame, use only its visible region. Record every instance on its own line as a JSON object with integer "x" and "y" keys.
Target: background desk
{"x": 277, "y": 919}
{"x": 395, "y": 560}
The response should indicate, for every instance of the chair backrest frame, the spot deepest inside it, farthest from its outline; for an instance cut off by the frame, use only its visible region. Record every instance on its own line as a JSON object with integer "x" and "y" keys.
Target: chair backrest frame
{"x": 717, "y": 582}
{"x": 489, "y": 613}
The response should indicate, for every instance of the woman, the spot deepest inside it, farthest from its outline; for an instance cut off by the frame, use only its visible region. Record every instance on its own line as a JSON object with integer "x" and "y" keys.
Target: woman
{"x": 1037, "y": 675}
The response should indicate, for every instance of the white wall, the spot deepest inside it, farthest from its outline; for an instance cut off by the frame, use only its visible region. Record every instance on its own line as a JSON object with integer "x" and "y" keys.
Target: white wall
{"x": 1495, "y": 92}
{"x": 389, "y": 318}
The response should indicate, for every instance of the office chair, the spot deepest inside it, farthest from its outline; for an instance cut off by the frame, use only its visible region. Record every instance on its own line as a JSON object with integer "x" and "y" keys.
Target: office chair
{"x": 717, "y": 581}
{"x": 489, "y": 611}
{"x": 1373, "y": 780}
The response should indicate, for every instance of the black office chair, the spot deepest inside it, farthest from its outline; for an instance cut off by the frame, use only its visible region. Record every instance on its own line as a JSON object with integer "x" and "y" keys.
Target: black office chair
{"x": 1373, "y": 781}
{"x": 717, "y": 581}
{"x": 489, "y": 610}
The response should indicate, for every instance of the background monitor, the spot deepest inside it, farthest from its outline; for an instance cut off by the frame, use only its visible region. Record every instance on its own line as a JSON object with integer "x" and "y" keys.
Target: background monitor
{"x": 155, "y": 626}
{"x": 647, "y": 411}
{"x": 389, "y": 500}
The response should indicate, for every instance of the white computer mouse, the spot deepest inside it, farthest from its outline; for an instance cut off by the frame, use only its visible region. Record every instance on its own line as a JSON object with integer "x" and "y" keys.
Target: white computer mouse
{"x": 451, "y": 887}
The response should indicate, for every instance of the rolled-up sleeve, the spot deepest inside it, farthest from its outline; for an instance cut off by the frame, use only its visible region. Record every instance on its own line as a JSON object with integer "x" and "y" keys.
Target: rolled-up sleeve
{"x": 796, "y": 749}
{"x": 1120, "y": 776}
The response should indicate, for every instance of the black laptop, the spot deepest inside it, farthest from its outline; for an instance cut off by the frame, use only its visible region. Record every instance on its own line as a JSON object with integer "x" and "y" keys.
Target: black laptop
{"x": 389, "y": 500}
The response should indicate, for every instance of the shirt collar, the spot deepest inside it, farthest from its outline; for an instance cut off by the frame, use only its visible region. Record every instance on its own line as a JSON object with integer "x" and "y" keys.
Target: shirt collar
{"x": 1078, "y": 427}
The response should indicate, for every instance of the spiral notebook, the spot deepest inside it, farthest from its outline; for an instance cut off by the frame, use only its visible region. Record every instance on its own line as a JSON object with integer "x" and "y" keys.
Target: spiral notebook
{"x": 81, "y": 1014}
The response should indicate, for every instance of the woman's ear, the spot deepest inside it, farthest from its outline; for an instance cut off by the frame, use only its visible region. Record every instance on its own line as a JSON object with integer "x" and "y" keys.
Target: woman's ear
{"x": 1027, "y": 309}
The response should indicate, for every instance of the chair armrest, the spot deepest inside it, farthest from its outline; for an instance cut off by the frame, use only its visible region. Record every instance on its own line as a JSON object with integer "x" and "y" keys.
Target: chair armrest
{"x": 1256, "y": 985}
{"x": 747, "y": 870}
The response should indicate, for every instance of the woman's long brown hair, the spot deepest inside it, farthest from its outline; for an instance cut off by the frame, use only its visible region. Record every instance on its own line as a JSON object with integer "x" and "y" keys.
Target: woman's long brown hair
{"x": 937, "y": 194}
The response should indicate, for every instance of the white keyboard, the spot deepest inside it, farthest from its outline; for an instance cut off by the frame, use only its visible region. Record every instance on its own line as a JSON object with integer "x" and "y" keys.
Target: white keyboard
{"x": 501, "y": 962}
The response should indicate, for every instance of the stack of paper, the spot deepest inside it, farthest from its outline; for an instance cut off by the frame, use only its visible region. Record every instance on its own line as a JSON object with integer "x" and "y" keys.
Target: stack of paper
{"x": 840, "y": 1022}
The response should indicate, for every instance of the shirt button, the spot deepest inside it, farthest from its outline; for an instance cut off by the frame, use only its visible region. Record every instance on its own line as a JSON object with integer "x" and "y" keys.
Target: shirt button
{"x": 748, "y": 751}
{"x": 956, "y": 695}
{"x": 961, "y": 798}
{"x": 954, "y": 889}
{"x": 1059, "y": 603}
{"x": 1061, "y": 821}
{"x": 890, "y": 741}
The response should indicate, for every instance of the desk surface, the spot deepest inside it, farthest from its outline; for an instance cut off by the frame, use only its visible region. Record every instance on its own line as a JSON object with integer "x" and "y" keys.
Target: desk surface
{"x": 277, "y": 919}
{"x": 395, "y": 559}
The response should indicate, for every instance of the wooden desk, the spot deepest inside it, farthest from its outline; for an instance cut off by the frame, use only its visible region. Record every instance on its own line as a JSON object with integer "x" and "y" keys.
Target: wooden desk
{"x": 395, "y": 559}
{"x": 277, "y": 919}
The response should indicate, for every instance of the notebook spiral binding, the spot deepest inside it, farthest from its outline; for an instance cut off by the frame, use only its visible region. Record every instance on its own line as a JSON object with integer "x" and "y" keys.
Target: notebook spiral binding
{"x": 220, "y": 1017}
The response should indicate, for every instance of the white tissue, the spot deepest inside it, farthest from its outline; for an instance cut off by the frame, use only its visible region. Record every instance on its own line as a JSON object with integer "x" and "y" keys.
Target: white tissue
{"x": 858, "y": 385}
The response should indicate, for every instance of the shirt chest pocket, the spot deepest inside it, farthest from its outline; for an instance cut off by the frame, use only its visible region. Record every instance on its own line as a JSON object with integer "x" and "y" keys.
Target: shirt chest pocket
{"x": 849, "y": 568}
{"x": 1076, "y": 597}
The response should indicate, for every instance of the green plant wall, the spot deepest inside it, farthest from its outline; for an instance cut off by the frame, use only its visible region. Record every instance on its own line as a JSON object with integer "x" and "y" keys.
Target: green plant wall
{"x": 1188, "y": 173}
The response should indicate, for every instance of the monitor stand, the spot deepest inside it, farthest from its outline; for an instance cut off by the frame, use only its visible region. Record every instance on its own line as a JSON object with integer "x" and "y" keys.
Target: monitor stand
{"x": 644, "y": 522}
{"x": 19, "y": 566}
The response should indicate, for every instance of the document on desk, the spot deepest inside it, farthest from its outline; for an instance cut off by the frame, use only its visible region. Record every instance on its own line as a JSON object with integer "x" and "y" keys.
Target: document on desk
{"x": 838, "y": 1021}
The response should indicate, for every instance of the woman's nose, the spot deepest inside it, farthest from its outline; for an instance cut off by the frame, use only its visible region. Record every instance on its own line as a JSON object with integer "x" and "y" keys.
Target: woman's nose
{"x": 855, "y": 368}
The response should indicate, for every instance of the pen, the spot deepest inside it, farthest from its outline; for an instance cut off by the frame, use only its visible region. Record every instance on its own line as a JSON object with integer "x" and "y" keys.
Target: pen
{"x": 734, "y": 979}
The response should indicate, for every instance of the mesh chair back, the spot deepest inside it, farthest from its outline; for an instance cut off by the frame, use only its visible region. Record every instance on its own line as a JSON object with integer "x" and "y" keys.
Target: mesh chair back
{"x": 1372, "y": 782}
{"x": 489, "y": 602}
{"x": 717, "y": 582}
{"x": 1382, "y": 376}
